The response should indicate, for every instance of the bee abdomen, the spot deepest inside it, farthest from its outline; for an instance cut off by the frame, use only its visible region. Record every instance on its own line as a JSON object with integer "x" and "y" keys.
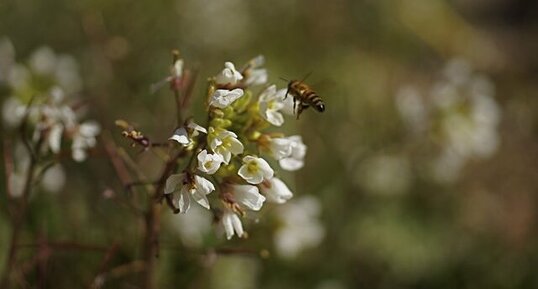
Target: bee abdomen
{"x": 315, "y": 100}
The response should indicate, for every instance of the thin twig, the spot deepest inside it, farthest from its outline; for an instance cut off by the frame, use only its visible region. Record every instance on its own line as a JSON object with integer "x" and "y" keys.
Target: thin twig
{"x": 20, "y": 216}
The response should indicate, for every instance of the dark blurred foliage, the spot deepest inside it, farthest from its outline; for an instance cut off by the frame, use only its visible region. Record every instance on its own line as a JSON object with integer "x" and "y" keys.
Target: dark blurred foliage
{"x": 477, "y": 232}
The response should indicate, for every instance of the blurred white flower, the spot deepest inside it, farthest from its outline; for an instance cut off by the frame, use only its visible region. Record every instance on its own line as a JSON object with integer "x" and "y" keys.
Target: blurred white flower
{"x": 231, "y": 224}
{"x": 18, "y": 77}
{"x": 254, "y": 74}
{"x": 385, "y": 175}
{"x": 54, "y": 137}
{"x": 209, "y": 163}
{"x": 300, "y": 227}
{"x": 412, "y": 109}
{"x": 13, "y": 111}
{"x": 271, "y": 103}
{"x": 16, "y": 183}
{"x": 17, "y": 177}
{"x": 43, "y": 60}
{"x": 184, "y": 135}
{"x": 67, "y": 74}
{"x": 275, "y": 190}
{"x": 248, "y": 196}
{"x": 447, "y": 166}
{"x": 254, "y": 170}
{"x": 221, "y": 98}
{"x": 463, "y": 114}
{"x": 7, "y": 58}
{"x": 229, "y": 75}
{"x": 54, "y": 179}
{"x": 458, "y": 71}
{"x": 182, "y": 187}
{"x": 295, "y": 160}
{"x": 193, "y": 226}
{"x": 224, "y": 143}
{"x": 84, "y": 137}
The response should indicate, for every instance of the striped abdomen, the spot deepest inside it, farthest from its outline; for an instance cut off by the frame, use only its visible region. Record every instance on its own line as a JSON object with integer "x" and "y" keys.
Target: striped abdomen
{"x": 311, "y": 98}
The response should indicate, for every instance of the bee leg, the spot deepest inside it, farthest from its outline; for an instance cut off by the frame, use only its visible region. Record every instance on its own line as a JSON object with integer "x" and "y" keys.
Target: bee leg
{"x": 302, "y": 107}
{"x": 294, "y": 106}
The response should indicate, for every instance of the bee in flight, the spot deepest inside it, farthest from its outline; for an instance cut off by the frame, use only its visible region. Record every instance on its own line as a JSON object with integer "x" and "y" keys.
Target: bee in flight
{"x": 303, "y": 97}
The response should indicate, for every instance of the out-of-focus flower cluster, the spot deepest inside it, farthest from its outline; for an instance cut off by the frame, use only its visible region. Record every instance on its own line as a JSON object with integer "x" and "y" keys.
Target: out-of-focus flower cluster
{"x": 236, "y": 153}
{"x": 459, "y": 113}
{"x": 41, "y": 97}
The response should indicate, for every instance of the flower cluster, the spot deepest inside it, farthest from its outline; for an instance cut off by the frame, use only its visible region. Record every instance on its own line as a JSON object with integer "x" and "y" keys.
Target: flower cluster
{"x": 40, "y": 98}
{"x": 462, "y": 115}
{"x": 235, "y": 153}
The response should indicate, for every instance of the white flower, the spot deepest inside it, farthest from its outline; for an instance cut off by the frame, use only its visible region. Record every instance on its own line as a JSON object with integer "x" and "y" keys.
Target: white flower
{"x": 248, "y": 196}
{"x": 280, "y": 147}
{"x": 254, "y": 75}
{"x": 182, "y": 135}
{"x": 183, "y": 188}
{"x": 54, "y": 137}
{"x": 271, "y": 102}
{"x": 300, "y": 228}
{"x": 232, "y": 224}
{"x": 276, "y": 191}
{"x": 221, "y": 98}
{"x": 224, "y": 143}
{"x": 43, "y": 60}
{"x": 54, "y": 179}
{"x": 13, "y": 111}
{"x": 19, "y": 77}
{"x": 229, "y": 75}
{"x": 209, "y": 163}
{"x": 194, "y": 226}
{"x": 83, "y": 139}
{"x": 254, "y": 170}
{"x": 295, "y": 160}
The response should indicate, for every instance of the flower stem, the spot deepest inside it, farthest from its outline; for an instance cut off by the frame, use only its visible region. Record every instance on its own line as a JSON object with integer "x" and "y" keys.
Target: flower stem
{"x": 18, "y": 218}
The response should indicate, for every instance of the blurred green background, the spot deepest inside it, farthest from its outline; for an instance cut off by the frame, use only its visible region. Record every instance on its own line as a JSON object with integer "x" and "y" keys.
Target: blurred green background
{"x": 395, "y": 214}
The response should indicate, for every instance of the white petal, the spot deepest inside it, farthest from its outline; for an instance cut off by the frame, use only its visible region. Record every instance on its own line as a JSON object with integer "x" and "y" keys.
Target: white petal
{"x": 221, "y": 98}
{"x": 236, "y": 147}
{"x": 173, "y": 182}
{"x": 238, "y": 227}
{"x": 79, "y": 155}
{"x": 280, "y": 148}
{"x": 277, "y": 191}
{"x": 194, "y": 126}
{"x": 55, "y": 138}
{"x": 268, "y": 94}
{"x": 183, "y": 201}
{"x": 265, "y": 168}
{"x": 227, "y": 224}
{"x": 89, "y": 128}
{"x": 248, "y": 196}
{"x": 204, "y": 185}
{"x": 200, "y": 198}
{"x": 274, "y": 117}
{"x": 181, "y": 136}
{"x": 290, "y": 164}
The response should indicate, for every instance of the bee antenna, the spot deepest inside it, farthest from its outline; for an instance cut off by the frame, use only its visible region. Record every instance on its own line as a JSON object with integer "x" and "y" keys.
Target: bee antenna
{"x": 286, "y": 80}
{"x": 306, "y": 76}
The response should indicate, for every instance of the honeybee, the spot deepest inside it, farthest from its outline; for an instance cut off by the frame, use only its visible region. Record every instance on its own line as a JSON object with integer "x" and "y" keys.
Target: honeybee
{"x": 304, "y": 97}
